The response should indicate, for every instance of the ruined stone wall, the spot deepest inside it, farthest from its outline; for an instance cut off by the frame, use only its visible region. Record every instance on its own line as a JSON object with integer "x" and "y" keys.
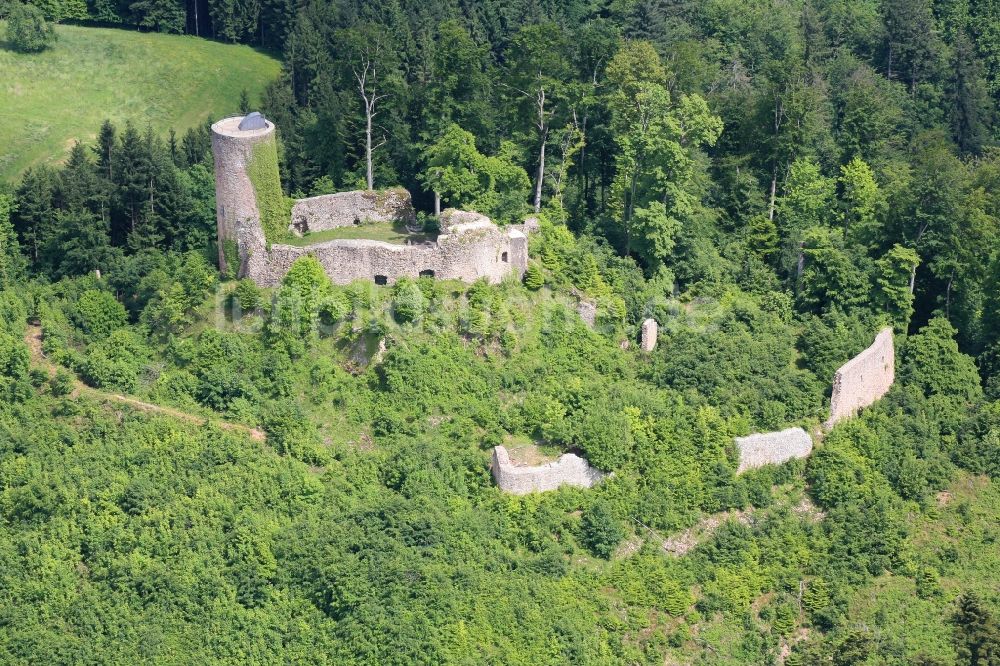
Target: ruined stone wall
{"x": 864, "y": 379}
{"x": 345, "y": 209}
{"x": 235, "y": 200}
{"x": 570, "y": 470}
{"x": 772, "y": 448}
{"x": 649, "y": 332}
{"x": 469, "y": 252}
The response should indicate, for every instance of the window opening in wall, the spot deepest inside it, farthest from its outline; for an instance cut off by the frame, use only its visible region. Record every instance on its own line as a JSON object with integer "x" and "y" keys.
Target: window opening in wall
{"x": 503, "y": 257}
{"x": 427, "y": 273}
{"x": 381, "y": 280}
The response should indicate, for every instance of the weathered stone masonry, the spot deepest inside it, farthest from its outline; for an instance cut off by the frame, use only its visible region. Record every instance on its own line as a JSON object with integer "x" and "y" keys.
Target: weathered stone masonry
{"x": 470, "y": 246}
{"x": 864, "y": 379}
{"x": 570, "y": 470}
{"x": 345, "y": 209}
{"x": 858, "y": 383}
{"x": 772, "y": 448}
{"x": 235, "y": 200}
{"x": 649, "y": 332}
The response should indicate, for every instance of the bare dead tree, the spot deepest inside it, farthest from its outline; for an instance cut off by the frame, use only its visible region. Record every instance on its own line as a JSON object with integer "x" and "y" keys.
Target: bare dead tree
{"x": 543, "y": 118}
{"x": 368, "y": 84}
{"x": 570, "y": 141}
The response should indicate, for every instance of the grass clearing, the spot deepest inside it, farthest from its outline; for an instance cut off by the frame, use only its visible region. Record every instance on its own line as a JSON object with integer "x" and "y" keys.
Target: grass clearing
{"x": 388, "y": 232}
{"x": 62, "y": 95}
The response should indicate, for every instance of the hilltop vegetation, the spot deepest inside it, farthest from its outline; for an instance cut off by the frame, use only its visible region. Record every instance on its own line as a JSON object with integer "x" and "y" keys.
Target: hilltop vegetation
{"x": 372, "y": 496}
{"x": 61, "y": 95}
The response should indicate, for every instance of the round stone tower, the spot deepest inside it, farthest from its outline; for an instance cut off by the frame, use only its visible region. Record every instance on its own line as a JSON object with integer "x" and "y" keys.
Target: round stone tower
{"x": 233, "y": 143}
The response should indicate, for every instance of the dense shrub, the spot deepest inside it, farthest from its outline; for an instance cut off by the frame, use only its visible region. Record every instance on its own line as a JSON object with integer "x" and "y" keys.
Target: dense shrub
{"x": 27, "y": 29}
{"x": 98, "y": 313}
{"x": 247, "y": 295}
{"x": 116, "y": 362}
{"x": 602, "y": 531}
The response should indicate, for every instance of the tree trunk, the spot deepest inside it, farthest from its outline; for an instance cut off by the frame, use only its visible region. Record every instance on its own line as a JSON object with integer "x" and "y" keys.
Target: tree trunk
{"x": 774, "y": 188}
{"x": 913, "y": 278}
{"x": 947, "y": 295}
{"x": 368, "y": 148}
{"x": 541, "y": 175}
{"x": 437, "y": 204}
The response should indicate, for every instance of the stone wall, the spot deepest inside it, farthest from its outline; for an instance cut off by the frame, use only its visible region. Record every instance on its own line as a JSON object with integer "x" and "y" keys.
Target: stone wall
{"x": 570, "y": 470}
{"x": 649, "y": 332}
{"x": 235, "y": 200}
{"x": 472, "y": 248}
{"x": 772, "y": 448}
{"x": 864, "y": 379}
{"x": 345, "y": 209}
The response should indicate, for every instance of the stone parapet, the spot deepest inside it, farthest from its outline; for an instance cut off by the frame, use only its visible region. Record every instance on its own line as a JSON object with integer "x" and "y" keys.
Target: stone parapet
{"x": 469, "y": 252}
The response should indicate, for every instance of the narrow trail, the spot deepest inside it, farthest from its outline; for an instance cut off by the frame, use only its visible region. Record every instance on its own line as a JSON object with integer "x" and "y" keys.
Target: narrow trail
{"x": 33, "y": 338}
{"x": 680, "y": 543}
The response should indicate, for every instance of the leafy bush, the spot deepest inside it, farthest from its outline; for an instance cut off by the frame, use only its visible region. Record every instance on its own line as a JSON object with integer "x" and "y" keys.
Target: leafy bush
{"x": 115, "y": 363}
{"x": 248, "y": 295}
{"x": 98, "y": 314}
{"x": 295, "y": 315}
{"x": 605, "y": 437}
{"x": 602, "y": 531}
{"x": 61, "y": 383}
{"x": 27, "y": 29}
{"x": 292, "y": 434}
{"x": 12, "y": 312}
{"x": 408, "y": 301}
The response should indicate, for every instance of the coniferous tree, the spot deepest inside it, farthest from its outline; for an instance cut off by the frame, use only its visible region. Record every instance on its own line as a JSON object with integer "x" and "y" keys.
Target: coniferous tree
{"x": 977, "y": 635}
{"x": 107, "y": 139}
{"x": 972, "y": 109}
{"x": 11, "y": 261}
{"x": 35, "y": 217}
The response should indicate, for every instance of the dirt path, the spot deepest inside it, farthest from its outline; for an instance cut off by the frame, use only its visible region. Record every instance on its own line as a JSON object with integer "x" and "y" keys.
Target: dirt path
{"x": 681, "y": 543}
{"x": 33, "y": 338}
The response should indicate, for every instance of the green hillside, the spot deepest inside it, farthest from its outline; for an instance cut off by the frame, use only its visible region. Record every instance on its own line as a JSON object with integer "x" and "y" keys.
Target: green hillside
{"x": 55, "y": 97}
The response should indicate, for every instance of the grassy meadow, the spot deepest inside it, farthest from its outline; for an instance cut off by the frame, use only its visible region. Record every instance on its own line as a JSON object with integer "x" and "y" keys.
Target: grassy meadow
{"x": 51, "y": 99}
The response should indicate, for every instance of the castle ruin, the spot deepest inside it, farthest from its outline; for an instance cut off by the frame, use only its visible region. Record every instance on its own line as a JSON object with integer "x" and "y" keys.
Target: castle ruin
{"x": 860, "y": 382}
{"x": 569, "y": 470}
{"x": 249, "y": 204}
